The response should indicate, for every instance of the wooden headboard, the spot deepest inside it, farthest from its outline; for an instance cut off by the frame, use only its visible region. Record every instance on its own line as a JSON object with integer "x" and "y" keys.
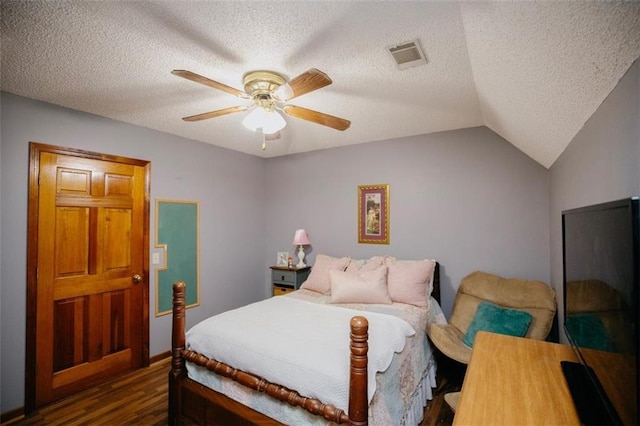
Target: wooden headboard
{"x": 435, "y": 293}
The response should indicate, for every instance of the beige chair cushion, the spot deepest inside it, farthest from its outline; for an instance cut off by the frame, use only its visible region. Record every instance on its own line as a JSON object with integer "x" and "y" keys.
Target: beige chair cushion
{"x": 452, "y": 399}
{"x": 449, "y": 340}
{"x": 534, "y": 297}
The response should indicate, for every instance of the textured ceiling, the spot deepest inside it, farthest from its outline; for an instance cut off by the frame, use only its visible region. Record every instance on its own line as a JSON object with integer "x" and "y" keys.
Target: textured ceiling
{"x": 533, "y": 72}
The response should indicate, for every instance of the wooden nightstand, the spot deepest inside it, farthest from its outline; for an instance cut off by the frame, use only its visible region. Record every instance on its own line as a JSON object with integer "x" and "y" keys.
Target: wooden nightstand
{"x": 284, "y": 280}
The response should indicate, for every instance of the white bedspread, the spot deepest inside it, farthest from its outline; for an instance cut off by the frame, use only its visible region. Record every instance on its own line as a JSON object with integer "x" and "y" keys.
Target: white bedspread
{"x": 304, "y": 346}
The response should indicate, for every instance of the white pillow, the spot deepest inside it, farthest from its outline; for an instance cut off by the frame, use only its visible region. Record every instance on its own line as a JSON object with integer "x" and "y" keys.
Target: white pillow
{"x": 318, "y": 279}
{"x": 356, "y": 266}
{"x": 364, "y": 287}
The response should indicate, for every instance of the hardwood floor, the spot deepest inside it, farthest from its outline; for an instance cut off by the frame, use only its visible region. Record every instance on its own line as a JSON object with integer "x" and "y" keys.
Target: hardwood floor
{"x": 437, "y": 412}
{"x": 140, "y": 398}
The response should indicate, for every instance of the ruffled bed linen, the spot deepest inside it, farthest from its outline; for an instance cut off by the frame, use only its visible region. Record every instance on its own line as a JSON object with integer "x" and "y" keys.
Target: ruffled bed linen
{"x": 402, "y": 389}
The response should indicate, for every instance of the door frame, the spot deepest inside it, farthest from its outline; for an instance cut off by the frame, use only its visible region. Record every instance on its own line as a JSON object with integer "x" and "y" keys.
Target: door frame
{"x": 35, "y": 149}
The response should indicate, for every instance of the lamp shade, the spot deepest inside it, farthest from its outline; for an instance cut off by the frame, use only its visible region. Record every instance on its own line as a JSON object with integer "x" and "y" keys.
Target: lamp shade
{"x": 269, "y": 121}
{"x": 301, "y": 238}
{"x": 284, "y": 92}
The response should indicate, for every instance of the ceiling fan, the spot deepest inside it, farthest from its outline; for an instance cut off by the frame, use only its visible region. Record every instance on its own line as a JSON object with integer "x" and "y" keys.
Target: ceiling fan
{"x": 268, "y": 90}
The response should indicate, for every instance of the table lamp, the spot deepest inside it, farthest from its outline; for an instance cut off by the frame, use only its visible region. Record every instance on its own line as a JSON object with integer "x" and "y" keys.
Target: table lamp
{"x": 301, "y": 239}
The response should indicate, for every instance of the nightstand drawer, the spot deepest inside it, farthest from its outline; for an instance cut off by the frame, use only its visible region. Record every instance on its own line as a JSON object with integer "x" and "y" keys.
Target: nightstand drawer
{"x": 280, "y": 290}
{"x": 287, "y": 277}
{"x": 284, "y": 280}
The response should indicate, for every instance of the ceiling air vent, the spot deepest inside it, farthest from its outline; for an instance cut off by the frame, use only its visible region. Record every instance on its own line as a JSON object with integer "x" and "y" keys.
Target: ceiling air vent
{"x": 407, "y": 54}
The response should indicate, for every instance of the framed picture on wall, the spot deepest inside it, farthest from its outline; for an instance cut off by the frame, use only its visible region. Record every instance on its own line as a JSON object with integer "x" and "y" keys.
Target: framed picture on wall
{"x": 373, "y": 214}
{"x": 283, "y": 258}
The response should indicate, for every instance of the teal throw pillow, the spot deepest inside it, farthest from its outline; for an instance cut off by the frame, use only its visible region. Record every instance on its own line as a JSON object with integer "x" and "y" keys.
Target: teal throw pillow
{"x": 496, "y": 319}
{"x": 588, "y": 331}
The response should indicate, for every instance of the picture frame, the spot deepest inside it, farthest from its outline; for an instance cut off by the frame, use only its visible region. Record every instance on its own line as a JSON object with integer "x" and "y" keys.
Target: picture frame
{"x": 282, "y": 259}
{"x": 373, "y": 214}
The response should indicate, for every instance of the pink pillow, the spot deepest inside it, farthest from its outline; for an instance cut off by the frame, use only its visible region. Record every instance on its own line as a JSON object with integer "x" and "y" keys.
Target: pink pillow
{"x": 374, "y": 263}
{"x": 409, "y": 281}
{"x": 364, "y": 287}
{"x": 319, "y": 277}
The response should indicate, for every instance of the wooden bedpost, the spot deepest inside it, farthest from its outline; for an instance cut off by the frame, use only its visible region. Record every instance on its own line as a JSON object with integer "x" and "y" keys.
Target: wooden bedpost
{"x": 178, "y": 371}
{"x": 358, "y": 398}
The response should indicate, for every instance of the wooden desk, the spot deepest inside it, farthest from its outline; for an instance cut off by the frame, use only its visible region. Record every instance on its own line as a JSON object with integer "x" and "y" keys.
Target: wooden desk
{"x": 515, "y": 381}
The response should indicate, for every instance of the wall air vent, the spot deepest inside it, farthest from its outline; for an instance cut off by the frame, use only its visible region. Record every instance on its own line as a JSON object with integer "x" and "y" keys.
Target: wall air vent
{"x": 407, "y": 54}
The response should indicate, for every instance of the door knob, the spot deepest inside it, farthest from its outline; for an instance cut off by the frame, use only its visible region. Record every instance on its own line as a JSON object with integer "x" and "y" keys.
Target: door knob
{"x": 137, "y": 278}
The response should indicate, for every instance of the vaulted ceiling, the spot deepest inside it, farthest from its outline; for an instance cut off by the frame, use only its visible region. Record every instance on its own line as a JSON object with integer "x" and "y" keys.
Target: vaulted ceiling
{"x": 533, "y": 72}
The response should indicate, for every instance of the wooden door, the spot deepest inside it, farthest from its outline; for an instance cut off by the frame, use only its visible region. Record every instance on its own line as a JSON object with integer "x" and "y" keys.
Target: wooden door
{"x": 88, "y": 274}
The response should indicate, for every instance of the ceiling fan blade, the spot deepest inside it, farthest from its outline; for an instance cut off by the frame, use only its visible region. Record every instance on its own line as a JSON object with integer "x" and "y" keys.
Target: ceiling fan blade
{"x": 217, "y": 113}
{"x": 211, "y": 83}
{"x": 308, "y": 82}
{"x": 317, "y": 117}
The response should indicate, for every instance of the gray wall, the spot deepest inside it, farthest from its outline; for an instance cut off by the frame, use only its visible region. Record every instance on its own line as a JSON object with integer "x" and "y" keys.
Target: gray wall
{"x": 466, "y": 198}
{"x": 226, "y": 183}
{"x": 601, "y": 164}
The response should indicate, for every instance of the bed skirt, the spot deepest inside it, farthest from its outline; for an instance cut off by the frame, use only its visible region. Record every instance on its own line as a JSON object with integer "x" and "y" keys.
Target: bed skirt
{"x": 424, "y": 393}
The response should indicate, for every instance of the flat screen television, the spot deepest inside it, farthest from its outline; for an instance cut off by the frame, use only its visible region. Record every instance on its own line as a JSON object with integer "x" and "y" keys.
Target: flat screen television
{"x": 601, "y": 262}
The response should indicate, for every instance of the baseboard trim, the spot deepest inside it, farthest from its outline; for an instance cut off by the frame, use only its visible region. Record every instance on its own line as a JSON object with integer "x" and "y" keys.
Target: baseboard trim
{"x": 159, "y": 357}
{"x": 12, "y": 416}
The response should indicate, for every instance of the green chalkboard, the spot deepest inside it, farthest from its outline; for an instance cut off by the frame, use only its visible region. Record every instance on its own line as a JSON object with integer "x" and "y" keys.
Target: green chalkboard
{"x": 177, "y": 235}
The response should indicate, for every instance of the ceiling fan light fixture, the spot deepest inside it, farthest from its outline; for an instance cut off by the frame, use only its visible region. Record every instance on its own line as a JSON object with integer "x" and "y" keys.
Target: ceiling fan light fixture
{"x": 269, "y": 121}
{"x": 266, "y": 89}
{"x": 284, "y": 92}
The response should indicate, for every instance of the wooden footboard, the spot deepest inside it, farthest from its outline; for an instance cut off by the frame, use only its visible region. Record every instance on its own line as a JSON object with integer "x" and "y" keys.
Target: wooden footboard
{"x": 189, "y": 399}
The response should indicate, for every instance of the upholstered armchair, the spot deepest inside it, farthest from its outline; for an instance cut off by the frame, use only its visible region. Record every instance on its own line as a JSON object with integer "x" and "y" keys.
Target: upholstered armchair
{"x": 534, "y": 297}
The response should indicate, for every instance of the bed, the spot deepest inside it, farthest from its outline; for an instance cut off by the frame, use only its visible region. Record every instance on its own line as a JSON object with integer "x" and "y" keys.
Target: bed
{"x": 212, "y": 381}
